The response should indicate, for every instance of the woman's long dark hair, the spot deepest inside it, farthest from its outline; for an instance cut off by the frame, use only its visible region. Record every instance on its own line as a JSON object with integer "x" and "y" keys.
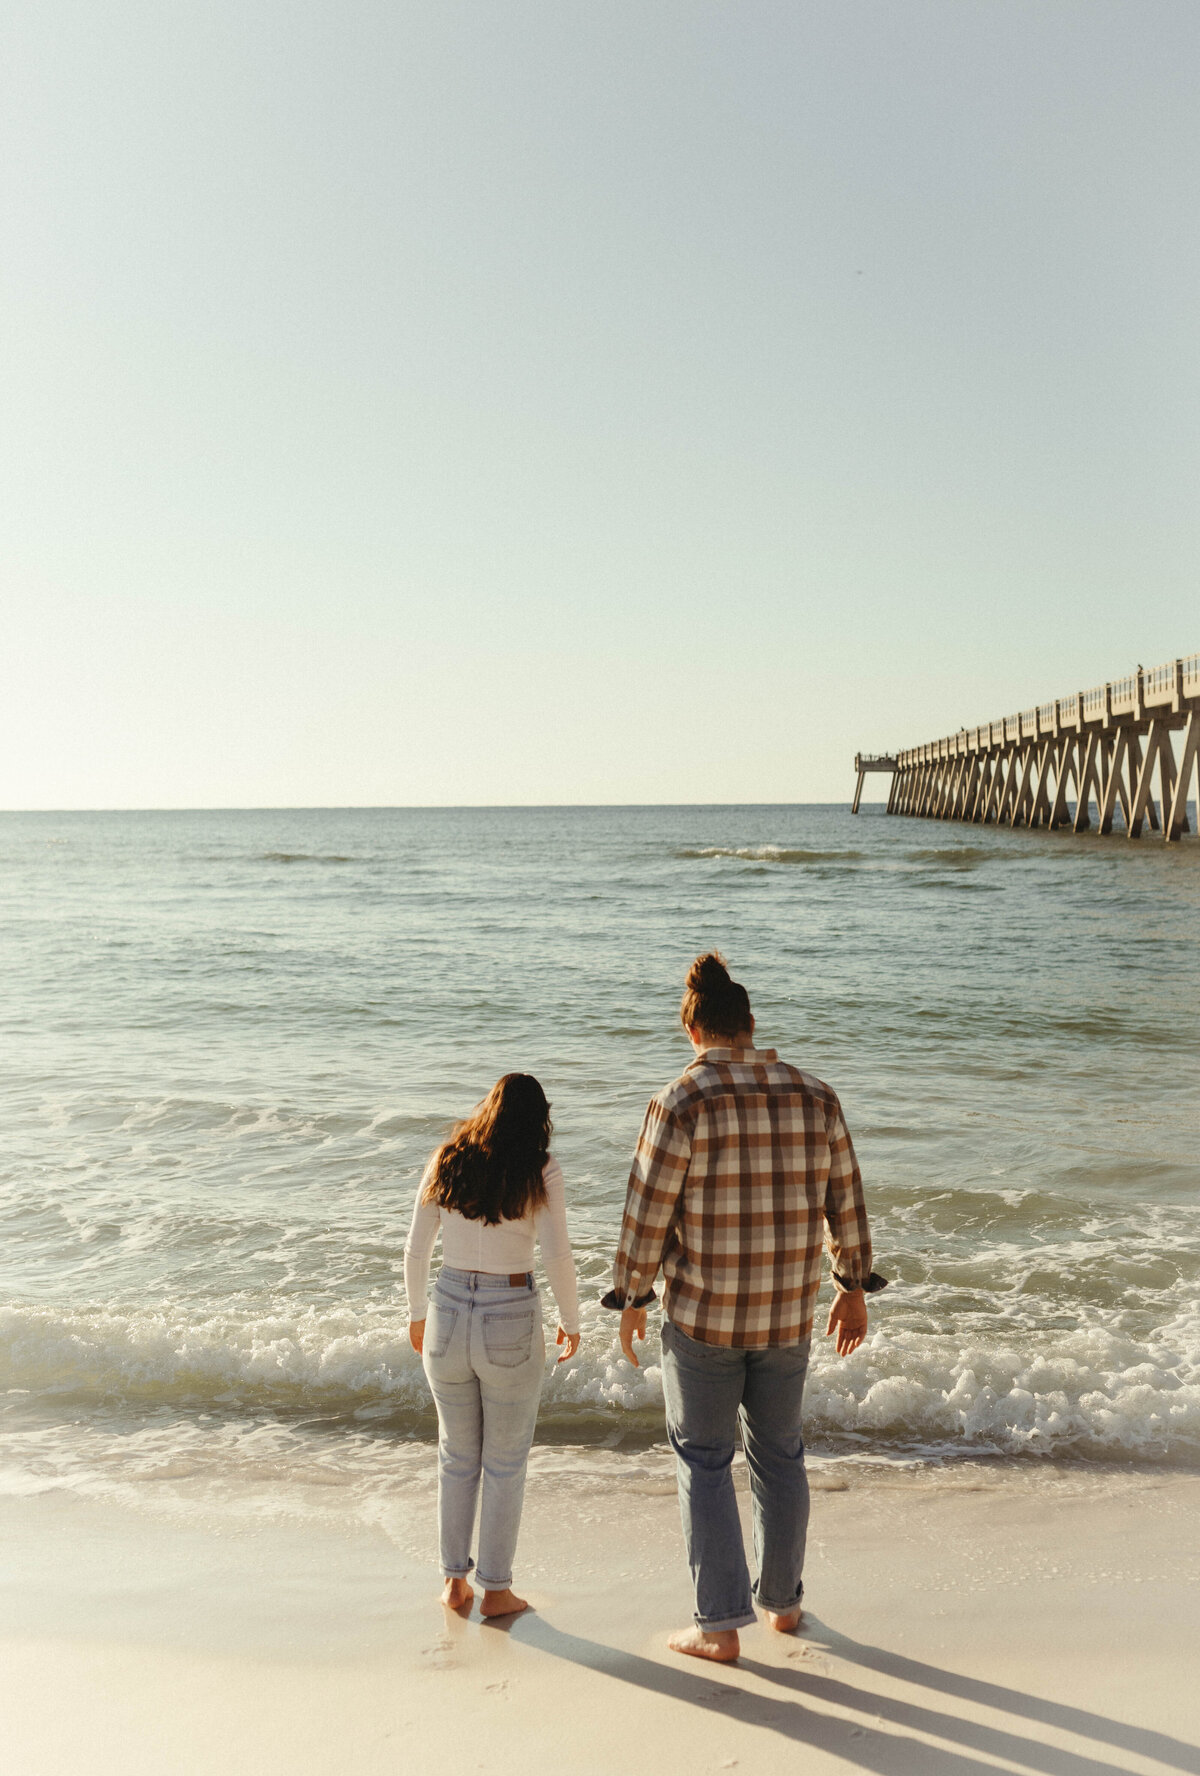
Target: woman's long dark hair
{"x": 491, "y": 1167}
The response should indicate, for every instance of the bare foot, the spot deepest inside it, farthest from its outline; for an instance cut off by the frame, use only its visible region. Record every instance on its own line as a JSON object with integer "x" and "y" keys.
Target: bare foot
{"x": 458, "y": 1594}
{"x": 784, "y": 1624}
{"x": 502, "y": 1603}
{"x": 722, "y": 1645}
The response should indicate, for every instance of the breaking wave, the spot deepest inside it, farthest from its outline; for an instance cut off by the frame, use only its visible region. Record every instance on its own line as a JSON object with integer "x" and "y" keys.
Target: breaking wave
{"x": 1092, "y": 1394}
{"x": 771, "y": 854}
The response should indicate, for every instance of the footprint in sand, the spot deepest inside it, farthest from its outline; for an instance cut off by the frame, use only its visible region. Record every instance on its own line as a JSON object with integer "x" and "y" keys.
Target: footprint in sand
{"x": 811, "y": 1658}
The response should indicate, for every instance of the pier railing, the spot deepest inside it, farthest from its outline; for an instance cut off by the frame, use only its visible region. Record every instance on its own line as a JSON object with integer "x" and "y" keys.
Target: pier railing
{"x": 1056, "y": 763}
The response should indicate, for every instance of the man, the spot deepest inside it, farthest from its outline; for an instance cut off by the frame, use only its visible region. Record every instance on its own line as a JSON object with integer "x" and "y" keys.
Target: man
{"x": 743, "y": 1170}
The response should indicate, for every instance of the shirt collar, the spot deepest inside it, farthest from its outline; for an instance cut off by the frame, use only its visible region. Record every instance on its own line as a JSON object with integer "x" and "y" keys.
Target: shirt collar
{"x": 722, "y": 1052}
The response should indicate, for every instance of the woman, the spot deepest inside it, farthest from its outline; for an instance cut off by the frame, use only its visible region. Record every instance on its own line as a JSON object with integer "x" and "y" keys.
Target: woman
{"x": 493, "y": 1191}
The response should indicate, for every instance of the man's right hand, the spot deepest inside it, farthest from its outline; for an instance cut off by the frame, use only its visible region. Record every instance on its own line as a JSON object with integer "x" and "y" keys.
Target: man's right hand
{"x": 848, "y": 1317}
{"x": 633, "y": 1325}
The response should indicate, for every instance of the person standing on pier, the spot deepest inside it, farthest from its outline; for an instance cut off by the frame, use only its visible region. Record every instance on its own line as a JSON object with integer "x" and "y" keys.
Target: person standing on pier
{"x": 743, "y": 1170}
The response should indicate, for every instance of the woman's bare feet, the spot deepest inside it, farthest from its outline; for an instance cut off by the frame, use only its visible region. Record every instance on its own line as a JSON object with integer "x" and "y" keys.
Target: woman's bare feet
{"x": 786, "y": 1624}
{"x": 722, "y": 1645}
{"x": 502, "y": 1603}
{"x": 457, "y": 1594}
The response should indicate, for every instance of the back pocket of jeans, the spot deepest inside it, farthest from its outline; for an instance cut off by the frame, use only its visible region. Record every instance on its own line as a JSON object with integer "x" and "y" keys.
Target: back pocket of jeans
{"x": 508, "y": 1338}
{"x": 439, "y": 1329}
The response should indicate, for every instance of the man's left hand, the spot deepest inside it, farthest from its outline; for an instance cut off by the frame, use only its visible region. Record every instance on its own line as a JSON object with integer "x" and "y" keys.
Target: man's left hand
{"x": 848, "y": 1317}
{"x": 633, "y": 1325}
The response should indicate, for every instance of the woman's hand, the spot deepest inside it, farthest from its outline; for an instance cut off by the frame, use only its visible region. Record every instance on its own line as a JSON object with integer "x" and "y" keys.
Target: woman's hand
{"x": 416, "y": 1335}
{"x": 571, "y": 1340}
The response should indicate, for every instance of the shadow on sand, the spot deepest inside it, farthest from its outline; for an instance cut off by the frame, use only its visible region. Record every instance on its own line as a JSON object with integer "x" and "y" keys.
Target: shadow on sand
{"x": 883, "y": 1741}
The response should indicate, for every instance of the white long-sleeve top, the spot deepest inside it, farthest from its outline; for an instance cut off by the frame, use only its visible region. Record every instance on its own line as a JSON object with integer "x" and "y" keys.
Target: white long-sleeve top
{"x": 499, "y": 1250}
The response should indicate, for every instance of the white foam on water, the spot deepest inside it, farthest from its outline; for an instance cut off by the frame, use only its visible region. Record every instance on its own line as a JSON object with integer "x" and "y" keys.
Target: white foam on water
{"x": 1092, "y": 1393}
{"x": 771, "y": 854}
{"x": 153, "y": 1355}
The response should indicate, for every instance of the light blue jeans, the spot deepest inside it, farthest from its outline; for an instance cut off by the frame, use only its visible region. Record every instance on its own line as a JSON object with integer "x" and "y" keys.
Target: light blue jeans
{"x": 708, "y": 1388}
{"x": 484, "y": 1356}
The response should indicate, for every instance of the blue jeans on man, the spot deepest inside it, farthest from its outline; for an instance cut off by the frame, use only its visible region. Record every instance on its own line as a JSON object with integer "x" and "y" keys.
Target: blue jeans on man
{"x": 711, "y": 1389}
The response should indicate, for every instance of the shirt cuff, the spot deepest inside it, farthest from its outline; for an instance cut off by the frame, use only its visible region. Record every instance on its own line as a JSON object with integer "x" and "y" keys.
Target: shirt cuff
{"x": 615, "y": 1299}
{"x": 847, "y": 1285}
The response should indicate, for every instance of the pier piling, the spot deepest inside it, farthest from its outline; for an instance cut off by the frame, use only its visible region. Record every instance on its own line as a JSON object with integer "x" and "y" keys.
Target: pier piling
{"x": 872, "y": 761}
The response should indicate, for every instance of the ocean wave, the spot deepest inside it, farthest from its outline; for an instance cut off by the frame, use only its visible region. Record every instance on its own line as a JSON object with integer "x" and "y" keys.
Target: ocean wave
{"x": 957, "y": 887}
{"x": 952, "y": 856}
{"x": 152, "y": 1355}
{"x": 305, "y": 857}
{"x": 1091, "y": 1393}
{"x": 770, "y": 854}
{"x": 92, "y": 1113}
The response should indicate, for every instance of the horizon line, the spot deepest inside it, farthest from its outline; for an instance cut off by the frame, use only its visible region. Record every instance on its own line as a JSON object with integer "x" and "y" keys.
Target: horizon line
{"x": 414, "y": 807}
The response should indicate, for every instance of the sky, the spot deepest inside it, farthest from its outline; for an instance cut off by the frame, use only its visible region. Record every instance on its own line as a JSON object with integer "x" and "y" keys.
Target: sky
{"x": 476, "y": 403}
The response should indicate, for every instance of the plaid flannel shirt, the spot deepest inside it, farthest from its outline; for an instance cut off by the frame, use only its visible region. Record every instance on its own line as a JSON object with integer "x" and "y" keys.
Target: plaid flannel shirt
{"x": 743, "y": 1170}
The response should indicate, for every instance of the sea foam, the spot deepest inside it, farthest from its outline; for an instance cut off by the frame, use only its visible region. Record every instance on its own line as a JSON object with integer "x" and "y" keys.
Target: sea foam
{"x": 1090, "y": 1393}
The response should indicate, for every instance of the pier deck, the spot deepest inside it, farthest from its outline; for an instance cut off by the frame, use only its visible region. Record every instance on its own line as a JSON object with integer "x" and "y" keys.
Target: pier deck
{"x": 1057, "y": 764}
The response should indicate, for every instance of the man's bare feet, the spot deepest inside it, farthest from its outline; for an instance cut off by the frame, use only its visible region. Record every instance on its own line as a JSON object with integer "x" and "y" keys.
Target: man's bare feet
{"x": 502, "y": 1603}
{"x": 786, "y": 1624}
{"x": 721, "y": 1645}
{"x": 457, "y": 1594}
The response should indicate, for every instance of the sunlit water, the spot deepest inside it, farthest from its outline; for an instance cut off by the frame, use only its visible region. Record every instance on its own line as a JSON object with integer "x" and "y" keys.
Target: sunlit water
{"x": 231, "y": 1040}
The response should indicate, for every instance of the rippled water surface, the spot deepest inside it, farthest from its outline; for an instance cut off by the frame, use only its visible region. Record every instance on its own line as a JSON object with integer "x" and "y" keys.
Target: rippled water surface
{"x": 231, "y": 1040}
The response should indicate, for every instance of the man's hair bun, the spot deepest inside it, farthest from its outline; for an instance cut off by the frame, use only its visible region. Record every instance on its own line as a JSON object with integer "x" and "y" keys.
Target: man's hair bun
{"x": 712, "y": 1001}
{"x": 709, "y": 973}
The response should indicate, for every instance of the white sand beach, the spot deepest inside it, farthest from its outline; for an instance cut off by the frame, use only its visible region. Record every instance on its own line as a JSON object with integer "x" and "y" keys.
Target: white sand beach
{"x": 969, "y": 1619}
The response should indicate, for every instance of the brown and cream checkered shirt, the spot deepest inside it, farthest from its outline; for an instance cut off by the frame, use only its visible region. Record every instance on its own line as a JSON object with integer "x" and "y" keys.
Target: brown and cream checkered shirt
{"x": 743, "y": 1170}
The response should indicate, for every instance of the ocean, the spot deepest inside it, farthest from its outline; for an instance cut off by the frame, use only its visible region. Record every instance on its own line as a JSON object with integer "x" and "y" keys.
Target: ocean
{"x": 231, "y": 1040}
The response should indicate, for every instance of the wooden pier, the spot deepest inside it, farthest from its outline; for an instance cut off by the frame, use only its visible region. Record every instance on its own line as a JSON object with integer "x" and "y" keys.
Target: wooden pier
{"x": 1059, "y": 763}
{"x": 870, "y": 761}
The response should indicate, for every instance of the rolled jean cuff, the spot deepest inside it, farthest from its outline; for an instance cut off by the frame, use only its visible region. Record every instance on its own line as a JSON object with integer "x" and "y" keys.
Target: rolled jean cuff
{"x": 726, "y": 1624}
{"x": 780, "y": 1609}
{"x": 458, "y": 1572}
{"x": 494, "y": 1584}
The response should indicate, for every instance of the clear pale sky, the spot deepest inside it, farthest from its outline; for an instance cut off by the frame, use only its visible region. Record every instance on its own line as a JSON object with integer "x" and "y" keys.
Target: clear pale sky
{"x": 490, "y": 403}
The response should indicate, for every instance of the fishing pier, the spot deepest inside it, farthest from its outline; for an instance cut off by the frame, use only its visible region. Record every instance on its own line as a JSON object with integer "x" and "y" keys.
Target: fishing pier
{"x": 1071, "y": 763}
